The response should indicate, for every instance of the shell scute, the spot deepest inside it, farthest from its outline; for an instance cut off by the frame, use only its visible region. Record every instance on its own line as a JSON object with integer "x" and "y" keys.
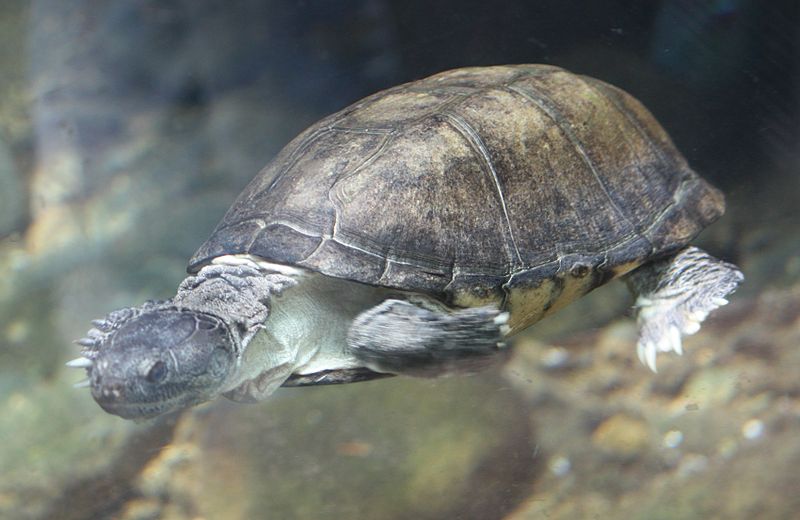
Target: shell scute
{"x": 520, "y": 185}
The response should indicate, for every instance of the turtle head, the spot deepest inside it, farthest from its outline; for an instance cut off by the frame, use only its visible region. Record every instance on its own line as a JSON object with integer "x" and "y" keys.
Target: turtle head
{"x": 169, "y": 355}
{"x": 153, "y": 360}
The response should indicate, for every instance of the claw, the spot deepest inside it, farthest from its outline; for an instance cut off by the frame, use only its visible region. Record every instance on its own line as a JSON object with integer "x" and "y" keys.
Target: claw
{"x": 86, "y": 342}
{"x": 698, "y": 316}
{"x": 82, "y": 384}
{"x": 675, "y": 340}
{"x": 501, "y": 318}
{"x": 101, "y": 324}
{"x": 691, "y": 327}
{"x": 647, "y": 354}
{"x": 650, "y": 354}
{"x": 80, "y": 362}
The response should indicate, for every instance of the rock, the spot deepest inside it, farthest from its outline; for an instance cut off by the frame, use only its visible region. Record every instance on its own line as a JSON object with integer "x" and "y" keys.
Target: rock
{"x": 709, "y": 388}
{"x": 389, "y": 449}
{"x": 54, "y": 446}
{"x": 622, "y": 436}
{"x": 711, "y": 435}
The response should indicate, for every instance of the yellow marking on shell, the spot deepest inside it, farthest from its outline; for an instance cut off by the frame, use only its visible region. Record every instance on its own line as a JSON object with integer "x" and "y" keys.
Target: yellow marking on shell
{"x": 573, "y": 289}
{"x": 467, "y": 299}
{"x": 576, "y": 287}
{"x": 526, "y": 305}
{"x": 529, "y": 305}
{"x": 625, "y": 268}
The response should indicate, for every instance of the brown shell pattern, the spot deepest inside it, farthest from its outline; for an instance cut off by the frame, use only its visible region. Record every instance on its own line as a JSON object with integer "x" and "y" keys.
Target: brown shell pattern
{"x": 522, "y": 185}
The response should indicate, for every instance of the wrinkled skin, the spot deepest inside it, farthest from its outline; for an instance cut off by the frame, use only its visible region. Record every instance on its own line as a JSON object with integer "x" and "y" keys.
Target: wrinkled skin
{"x": 165, "y": 356}
{"x": 162, "y": 360}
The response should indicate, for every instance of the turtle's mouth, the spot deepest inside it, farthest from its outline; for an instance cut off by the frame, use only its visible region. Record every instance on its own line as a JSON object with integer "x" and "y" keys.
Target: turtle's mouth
{"x": 137, "y": 411}
{"x": 126, "y": 400}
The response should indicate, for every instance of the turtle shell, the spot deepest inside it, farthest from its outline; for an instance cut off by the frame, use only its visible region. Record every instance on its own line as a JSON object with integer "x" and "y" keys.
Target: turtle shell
{"x": 522, "y": 185}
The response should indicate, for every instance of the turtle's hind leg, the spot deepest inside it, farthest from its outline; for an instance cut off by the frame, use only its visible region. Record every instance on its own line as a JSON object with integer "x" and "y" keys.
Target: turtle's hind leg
{"x": 673, "y": 297}
{"x": 426, "y": 339}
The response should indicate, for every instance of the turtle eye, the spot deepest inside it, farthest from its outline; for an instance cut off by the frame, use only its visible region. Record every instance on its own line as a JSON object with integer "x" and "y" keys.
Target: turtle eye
{"x": 157, "y": 372}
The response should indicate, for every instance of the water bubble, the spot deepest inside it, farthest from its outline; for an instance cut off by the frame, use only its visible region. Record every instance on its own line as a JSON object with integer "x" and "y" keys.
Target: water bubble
{"x": 753, "y": 429}
{"x": 560, "y": 466}
{"x": 555, "y": 357}
{"x": 673, "y": 438}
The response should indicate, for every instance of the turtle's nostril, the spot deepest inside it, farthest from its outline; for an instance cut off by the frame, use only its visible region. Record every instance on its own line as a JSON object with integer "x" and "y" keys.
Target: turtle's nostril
{"x": 112, "y": 391}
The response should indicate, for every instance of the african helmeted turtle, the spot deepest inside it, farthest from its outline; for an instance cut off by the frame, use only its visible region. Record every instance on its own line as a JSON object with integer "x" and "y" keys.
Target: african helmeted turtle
{"x": 412, "y": 232}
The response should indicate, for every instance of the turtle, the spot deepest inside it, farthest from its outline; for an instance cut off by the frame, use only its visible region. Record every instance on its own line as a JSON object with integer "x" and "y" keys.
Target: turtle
{"x": 414, "y": 233}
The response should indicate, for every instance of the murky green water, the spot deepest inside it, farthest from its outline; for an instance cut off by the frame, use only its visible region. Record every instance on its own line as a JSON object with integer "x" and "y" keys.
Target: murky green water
{"x": 126, "y": 131}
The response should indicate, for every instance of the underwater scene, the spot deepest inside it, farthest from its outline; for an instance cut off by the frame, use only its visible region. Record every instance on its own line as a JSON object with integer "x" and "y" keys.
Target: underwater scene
{"x": 130, "y": 133}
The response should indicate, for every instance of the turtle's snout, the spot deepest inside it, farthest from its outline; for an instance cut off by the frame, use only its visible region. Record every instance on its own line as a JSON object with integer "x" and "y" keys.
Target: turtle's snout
{"x": 114, "y": 389}
{"x": 121, "y": 388}
{"x": 104, "y": 386}
{"x": 108, "y": 391}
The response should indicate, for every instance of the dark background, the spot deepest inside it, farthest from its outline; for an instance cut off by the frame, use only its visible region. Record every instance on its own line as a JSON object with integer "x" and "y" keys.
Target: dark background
{"x": 722, "y": 76}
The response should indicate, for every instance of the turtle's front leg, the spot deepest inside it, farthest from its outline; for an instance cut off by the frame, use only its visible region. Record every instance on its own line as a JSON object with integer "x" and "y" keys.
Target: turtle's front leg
{"x": 424, "y": 340}
{"x": 673, "y": 297}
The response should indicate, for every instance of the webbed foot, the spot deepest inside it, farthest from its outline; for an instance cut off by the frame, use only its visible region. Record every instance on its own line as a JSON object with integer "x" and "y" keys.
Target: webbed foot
{"x": 401, "y": 337}
{"x": 673, "y": 297}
